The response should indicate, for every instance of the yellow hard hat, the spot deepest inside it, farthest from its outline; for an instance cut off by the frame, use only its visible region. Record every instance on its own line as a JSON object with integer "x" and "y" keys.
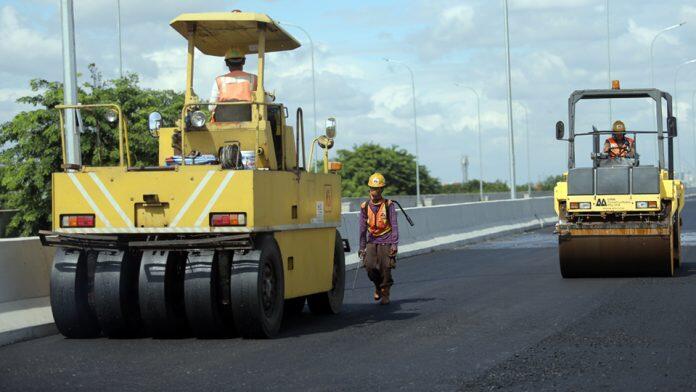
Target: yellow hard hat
{"x": 376, "y": 181}
{"x": 234, "y": 53}
{"x": 618, "y": 126}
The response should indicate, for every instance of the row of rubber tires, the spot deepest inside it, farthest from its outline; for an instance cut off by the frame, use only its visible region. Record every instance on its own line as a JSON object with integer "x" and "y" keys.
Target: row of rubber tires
{"x": 160, "y": 293}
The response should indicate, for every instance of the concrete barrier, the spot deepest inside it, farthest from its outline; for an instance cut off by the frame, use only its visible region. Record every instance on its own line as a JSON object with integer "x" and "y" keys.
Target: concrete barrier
{"x": 453, "y": 224}
{"x": 25, "y": 265}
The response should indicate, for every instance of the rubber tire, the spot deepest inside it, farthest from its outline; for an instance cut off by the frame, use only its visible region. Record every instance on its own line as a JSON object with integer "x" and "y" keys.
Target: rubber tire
{"x": 247, "y": 288}
{"x": 206, "y": 293}
{"x": 330, "y": 302}
{"x": 72, "y": 278}
{"x": 161, "y": 293}
{"x": 116, "y": 293}
{"x": 294, "y": 306}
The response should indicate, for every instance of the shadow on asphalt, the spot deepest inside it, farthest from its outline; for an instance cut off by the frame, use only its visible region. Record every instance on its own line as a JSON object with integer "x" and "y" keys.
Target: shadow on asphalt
{"x": 353, "y": 315}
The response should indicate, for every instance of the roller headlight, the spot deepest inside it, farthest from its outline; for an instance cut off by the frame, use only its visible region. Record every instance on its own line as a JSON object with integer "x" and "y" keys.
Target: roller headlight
{"x": 646, "y": 204}
{"x": 198, "y": 119}
{"x": 111, "y": 116}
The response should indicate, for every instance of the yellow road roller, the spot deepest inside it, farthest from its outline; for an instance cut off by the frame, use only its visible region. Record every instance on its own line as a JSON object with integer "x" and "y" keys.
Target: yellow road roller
{"x": 229, "y": 232}
{"x": 618, "y": 217}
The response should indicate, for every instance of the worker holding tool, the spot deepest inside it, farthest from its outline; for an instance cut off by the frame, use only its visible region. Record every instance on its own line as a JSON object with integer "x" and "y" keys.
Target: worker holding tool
{"x": 619, "y": 145}
{"x": 379, "y": 238}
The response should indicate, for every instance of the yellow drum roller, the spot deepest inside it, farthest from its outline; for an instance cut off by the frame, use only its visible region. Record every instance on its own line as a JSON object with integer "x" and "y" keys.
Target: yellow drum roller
{"x": 618, "y": 217}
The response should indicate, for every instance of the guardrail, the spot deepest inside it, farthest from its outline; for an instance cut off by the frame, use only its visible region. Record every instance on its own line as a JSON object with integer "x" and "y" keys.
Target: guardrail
{"x": 25, "y": 265}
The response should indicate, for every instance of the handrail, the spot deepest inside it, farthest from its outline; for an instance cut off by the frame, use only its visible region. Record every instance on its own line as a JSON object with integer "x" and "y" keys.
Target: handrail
{"x": 122, "y": 128}
{"x": 299, "y": 119}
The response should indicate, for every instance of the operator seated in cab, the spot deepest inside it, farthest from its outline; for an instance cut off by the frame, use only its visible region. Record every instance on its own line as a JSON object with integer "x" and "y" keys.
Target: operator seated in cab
{"x": 619, "y": 145}
{"x": 234, "y": 86}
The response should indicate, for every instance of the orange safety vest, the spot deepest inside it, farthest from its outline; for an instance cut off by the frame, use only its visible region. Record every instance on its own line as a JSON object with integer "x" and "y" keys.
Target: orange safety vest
{"x": 378, "y": 223}
{"x": 235, "y": 86}
{"x": 615, "y": 150}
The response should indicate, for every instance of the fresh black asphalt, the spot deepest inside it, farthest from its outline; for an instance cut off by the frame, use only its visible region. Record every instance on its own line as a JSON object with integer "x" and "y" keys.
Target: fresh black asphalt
{"x": 489, "y": 316}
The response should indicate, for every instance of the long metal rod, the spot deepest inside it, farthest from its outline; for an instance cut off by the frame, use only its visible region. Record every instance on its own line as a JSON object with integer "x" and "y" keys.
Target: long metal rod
{"x": 415, "y": 125}
{"x": 693, "y": 124}
{"x": 609, "y": 59}
{"x": 72, "y": 135}
{"x": 652, "y": 45}
{"x": 511, "y": 141}
{"x": 120, "y": 50}
{"x": 314, "y": 81}
{"x": 529, "y": 158}
{"x": 415, "y": 135}
{"x": 675, "y": 104}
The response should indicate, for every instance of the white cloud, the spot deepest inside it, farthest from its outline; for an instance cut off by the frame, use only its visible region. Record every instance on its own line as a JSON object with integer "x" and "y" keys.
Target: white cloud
{"x": 24, "y": 49}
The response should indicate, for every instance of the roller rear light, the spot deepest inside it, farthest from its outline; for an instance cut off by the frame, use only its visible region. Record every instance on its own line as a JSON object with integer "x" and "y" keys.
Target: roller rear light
{"x": 222, "y": 219}
{"x": 77, "y": 220}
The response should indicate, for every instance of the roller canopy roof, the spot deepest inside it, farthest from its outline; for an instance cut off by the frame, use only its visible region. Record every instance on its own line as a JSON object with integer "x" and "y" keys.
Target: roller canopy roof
{"x": 216, "y": 32}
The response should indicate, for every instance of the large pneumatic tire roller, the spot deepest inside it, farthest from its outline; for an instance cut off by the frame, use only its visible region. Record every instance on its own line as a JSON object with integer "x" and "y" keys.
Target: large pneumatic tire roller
{"x": 331, "y": 301}
{"x": 257, "y": 289}
{"x": 71, "y": 289}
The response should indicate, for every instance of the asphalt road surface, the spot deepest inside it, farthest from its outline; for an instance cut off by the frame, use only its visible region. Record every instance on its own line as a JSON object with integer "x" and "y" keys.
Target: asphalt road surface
{"x": 489, "y": 316}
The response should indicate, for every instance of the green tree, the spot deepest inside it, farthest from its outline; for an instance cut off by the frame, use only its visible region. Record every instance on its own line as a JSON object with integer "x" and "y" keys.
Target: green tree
{"x": 32, "y": 144}
{"x": 397, "y": 165}
{"x": 472, "y": 186}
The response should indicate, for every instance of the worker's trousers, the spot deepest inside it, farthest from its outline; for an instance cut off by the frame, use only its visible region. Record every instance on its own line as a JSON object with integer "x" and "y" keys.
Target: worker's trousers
{"x": 377, "y": 264}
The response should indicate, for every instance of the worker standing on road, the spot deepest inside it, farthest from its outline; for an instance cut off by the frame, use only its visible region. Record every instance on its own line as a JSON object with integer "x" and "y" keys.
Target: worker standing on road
{"x": 618, "y": 145}
{"x": 379, "y": 238}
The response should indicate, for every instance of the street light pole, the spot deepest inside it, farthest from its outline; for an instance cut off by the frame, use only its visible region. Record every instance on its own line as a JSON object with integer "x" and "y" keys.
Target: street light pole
{"x": 676, "y": 103}
{"x": 120, "y": 51}
{"x": 314, "y": 83}
{"x": 513, "y": 185}
{"x": 415, "y": 124}
{"x": 526, "y": 125}
{"x": 652, "y": 44}
{"x": 72, "y": 136}
{"x": 480, "y": 144}
{"x": 609, "y": 58}
{"x": 693, "y": 124}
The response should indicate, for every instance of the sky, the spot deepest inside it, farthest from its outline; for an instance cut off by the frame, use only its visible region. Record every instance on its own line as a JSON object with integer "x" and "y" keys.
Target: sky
{"x": 557, "y": 46}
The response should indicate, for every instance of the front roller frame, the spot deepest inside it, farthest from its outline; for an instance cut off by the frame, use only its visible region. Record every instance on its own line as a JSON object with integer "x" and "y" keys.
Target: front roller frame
{"x": 613, "y": 255}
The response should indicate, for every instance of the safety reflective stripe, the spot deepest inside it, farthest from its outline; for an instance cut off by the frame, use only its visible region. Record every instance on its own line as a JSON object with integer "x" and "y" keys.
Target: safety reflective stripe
{"x": 615, "y": 149}
{"x": 111, "y": 199}
{"x": 378, "y": 223}
{"x": 89, "y": 200}
{"x": 235, "y": 86}
{"x": 192, "y": 198}
{"x": 214, "y": 199}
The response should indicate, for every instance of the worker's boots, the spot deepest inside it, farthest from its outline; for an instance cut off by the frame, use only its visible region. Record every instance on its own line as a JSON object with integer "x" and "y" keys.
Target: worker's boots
{"x": 377, "y": 295}
{"x": 385, "y": 296}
